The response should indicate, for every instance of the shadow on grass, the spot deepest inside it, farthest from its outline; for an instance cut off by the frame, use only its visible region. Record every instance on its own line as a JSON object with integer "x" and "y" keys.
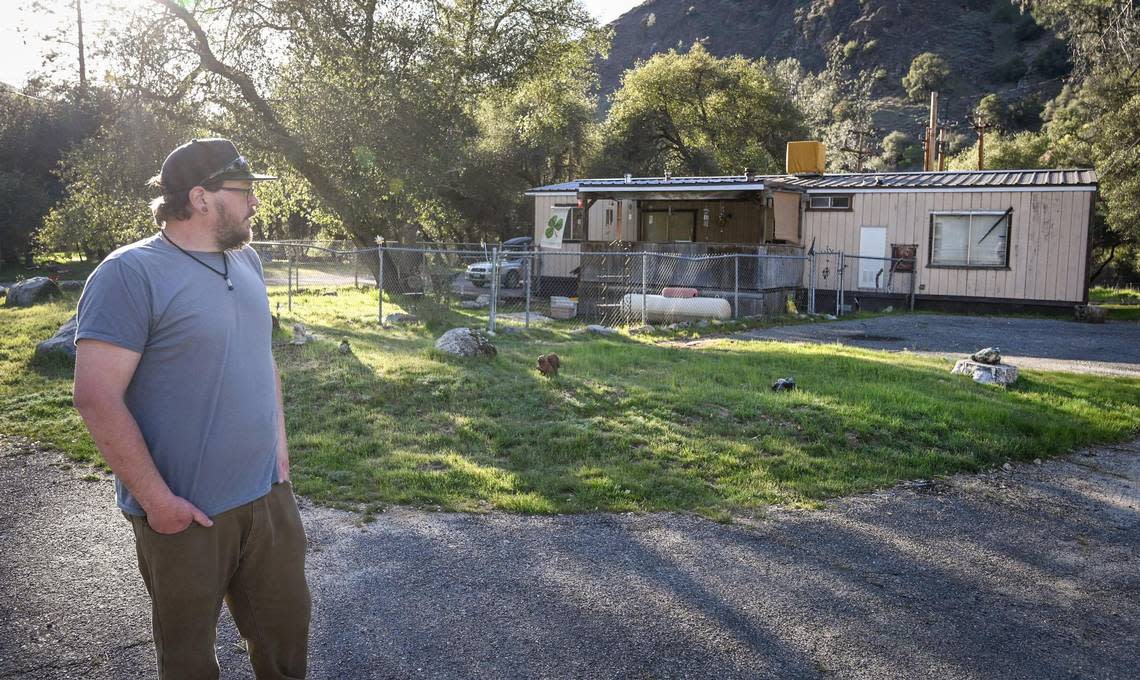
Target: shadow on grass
{"x": 628, "y": 427}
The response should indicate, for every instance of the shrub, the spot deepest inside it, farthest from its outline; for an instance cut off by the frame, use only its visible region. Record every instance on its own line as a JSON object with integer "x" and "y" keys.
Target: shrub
{"x": 927, "y": 72}
{"x": 1026, "y": 28}
{"x": 1052, "y": 61}
{"x": 1009, "y": 71}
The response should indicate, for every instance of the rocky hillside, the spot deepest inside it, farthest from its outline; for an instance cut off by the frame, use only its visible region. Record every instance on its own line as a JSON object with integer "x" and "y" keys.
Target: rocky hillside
{"x": 989, "y": 45}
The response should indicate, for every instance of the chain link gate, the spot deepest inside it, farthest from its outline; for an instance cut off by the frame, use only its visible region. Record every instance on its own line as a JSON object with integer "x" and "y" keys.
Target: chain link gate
{"x": 607, "y": 284}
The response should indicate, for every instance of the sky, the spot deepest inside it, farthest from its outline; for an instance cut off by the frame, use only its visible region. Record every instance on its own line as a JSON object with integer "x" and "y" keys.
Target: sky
{"x": 21, "y": 49}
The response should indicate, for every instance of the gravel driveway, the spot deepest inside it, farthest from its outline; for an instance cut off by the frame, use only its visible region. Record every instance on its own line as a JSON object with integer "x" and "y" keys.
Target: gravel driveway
{"x": 1111, "y": 348}
{"x": 1028, "y": 573}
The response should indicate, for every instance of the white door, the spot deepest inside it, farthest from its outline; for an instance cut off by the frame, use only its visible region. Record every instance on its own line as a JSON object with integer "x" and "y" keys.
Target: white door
{"x": 872, "y": 243}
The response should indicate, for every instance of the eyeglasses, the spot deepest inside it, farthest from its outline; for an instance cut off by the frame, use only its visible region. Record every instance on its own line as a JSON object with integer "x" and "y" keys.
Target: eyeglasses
{"x": 237, "y": 164}
{"x": 248, "y": 192}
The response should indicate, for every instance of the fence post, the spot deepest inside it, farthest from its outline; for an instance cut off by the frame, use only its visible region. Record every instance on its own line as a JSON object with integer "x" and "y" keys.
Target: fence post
{"x": 527, "y": 265}
{"x": 380, "y": 280}
{"x": 493, "y": 307}
{"x": 811, "y": 284}
{"x": 913, "y": 276}
{"x": 356, "y": 270}
{"x": 839, "y": 286}
{"x": 289, "y": 280}
{"x": 736, "y": 284}
{"x": 644, "y": 286}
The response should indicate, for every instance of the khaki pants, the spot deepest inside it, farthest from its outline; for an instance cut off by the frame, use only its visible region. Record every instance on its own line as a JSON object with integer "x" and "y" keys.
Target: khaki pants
{"x": 254, "y": 558}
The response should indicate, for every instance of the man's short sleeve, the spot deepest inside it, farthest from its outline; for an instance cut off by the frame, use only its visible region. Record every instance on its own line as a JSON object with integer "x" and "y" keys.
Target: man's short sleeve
{"x": 115, "y": 307}
{"x": 256, "y": 257}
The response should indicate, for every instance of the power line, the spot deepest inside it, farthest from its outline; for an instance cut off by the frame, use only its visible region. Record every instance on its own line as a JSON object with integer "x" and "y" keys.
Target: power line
{"x": 13, "y": 90}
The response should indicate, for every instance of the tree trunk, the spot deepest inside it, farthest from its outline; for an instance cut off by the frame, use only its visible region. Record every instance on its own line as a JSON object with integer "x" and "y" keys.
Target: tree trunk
{"x": 282, "y": 140}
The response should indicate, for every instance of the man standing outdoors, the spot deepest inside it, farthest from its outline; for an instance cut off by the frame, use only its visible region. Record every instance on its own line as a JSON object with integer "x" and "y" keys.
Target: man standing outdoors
{"x": 176, "y": 381}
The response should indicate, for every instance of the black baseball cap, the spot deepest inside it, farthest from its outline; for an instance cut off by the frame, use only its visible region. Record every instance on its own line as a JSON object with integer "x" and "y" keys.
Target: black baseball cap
{"x": 202, "y": 160}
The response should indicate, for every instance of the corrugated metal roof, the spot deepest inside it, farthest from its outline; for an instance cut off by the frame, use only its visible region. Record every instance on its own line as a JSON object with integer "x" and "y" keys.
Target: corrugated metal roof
{"x": 672, "y": 181}
{"x": 949, "y": 179}
{"x": 867, "y": 180}
{"x": 555, "y": 188}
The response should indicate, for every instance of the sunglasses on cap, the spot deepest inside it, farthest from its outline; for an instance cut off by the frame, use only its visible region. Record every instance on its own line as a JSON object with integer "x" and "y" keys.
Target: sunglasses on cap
{"x": 237, "y": 165}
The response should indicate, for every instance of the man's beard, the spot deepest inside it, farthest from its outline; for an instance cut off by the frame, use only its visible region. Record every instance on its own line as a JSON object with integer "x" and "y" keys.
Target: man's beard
{"x": 230, "y": 233}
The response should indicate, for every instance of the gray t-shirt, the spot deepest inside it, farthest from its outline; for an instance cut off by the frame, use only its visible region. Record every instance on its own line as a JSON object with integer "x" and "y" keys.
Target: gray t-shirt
{"x": 204, "y": 393}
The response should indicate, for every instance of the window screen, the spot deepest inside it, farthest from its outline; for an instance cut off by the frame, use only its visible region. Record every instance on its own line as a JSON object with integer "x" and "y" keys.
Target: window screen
{"x": 970, "y": 240}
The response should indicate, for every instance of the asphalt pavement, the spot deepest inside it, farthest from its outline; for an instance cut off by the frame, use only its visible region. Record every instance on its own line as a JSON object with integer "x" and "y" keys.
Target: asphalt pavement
{"x": 1111, "y": 348}
{"x": 1031, "y": 572}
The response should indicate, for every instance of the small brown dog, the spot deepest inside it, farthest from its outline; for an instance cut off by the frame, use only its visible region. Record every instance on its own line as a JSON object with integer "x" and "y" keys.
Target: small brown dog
{"x": 548, "y": 364}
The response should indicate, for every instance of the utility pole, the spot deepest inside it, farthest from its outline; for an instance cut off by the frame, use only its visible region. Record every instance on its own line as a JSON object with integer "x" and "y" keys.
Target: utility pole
{"x": 930, "y": 159}
{"x": 861, "y": 149}
{"x": 82, "y": 56}
{"x": 980, "y": 126}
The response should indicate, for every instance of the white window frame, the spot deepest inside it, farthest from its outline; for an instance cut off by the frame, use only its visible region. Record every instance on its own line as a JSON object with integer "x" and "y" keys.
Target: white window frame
{"x": 986, "y": 218}
{"x": 827, "y": 201}
{"x": 573, "y": 231}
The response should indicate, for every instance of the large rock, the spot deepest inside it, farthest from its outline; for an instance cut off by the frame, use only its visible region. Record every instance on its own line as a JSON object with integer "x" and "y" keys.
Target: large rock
{"x": 987, "y": 374}
{"x": 62, "y": 343}
{"x": 465, "y": 342}
{"x": 398, "y": 319}
{"x": 72, "y": 285}
{"x": 989, "y": 355}
{"x": 32, "y": 291}
{"x": 1090, "y": 313}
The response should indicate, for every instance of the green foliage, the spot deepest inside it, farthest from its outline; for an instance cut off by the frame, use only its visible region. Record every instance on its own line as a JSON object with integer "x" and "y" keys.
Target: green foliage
{"x": 1005, "y": 152}
{"x": 1026, "y": 28}
{"x": 1003, "y": 11}
{"x": 1053, "y": 60}
{"x": 540, "y": 131}
{"x": 837, "y": 103}
{"x": 106, "y": 177}
{"x": 693, "y": 113}
{"x": 1097, "y": 121}
{"x": 900, "y": 152}
{"x": 928, "y": 72}
{"x": 381, "y": 108}
{"x": 1009, "y": 70}
{"x": 1024, "y": 113}
{"x": 991, "y": 110}
{"x": 35, "y": 132}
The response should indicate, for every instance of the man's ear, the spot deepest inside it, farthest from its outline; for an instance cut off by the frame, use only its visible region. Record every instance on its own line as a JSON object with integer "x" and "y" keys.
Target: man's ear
{"x": 198, "y": 200}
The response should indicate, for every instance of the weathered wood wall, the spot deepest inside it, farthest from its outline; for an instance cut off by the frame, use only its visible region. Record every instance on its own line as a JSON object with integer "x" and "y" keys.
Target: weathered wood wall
{"x": 1048, "y": 240}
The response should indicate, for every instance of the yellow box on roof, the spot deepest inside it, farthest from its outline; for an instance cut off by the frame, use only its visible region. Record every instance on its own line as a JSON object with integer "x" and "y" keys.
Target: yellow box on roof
{"x": 806, "y": 158}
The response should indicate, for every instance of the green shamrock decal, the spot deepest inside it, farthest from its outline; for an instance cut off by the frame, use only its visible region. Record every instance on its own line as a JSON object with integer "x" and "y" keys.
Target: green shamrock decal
{"x": 554, "y": 225}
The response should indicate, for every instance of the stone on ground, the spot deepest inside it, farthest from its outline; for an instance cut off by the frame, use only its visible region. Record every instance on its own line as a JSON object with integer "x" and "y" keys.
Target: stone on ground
{"x": 989, "y": 355}
{"x": 600, "y": 330}
{"x": 986, "y": 374}
{"x": 398, "y": 318}
{"x": 32, "y": 291}
{"x": 62, "y": 343}
{"x": 465, "y": 342}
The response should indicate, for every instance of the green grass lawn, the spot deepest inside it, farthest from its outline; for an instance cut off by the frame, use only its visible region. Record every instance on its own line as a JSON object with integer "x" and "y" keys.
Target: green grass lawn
{"x": 629, "y": 425}
{"x": 1100, "y": 295}
{"x": 72, "y": 268}
{"x": 1123, "y": 304}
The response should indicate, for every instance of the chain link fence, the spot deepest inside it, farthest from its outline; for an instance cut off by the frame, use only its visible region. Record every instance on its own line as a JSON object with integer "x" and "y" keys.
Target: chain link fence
{"x": 843, "y": 283}
{"x": 495, "y": 286}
